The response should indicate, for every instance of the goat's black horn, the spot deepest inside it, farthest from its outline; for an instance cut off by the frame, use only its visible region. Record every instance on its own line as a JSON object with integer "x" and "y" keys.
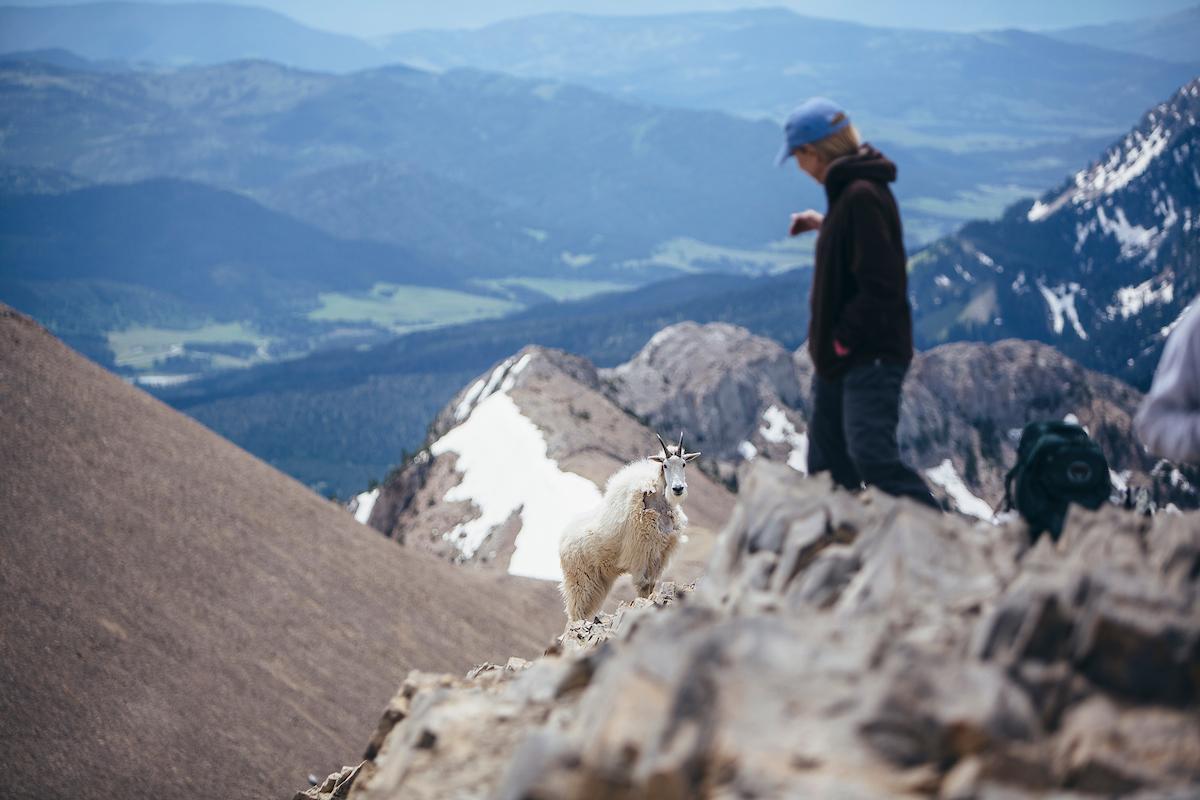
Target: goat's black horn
{"x": 666, "y": 452}
{"x": 681, "y": 444}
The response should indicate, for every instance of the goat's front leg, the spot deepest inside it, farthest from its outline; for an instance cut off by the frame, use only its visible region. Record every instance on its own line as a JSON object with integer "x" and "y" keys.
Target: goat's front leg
{"x": 649, "y": 577}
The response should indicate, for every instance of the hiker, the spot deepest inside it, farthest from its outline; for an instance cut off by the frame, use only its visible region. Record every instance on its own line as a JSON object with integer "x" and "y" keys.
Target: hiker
{"x": 860, "y": 331}
{"x": 1168, "y": 423}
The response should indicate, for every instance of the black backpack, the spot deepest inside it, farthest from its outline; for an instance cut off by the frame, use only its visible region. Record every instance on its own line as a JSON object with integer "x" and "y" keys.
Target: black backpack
{"x": 1057, "y": 464}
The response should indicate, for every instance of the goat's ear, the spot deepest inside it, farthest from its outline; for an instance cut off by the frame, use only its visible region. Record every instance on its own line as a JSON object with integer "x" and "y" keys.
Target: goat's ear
{"x": 659, "y": 459}
{"x": 690, "y": 457}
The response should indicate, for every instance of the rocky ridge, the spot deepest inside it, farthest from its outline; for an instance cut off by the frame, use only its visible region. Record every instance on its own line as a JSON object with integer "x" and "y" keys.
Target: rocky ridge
{"x": 742, "y": 397}
{"x": 716, "y": 382}
{"x": 843, "y": 647}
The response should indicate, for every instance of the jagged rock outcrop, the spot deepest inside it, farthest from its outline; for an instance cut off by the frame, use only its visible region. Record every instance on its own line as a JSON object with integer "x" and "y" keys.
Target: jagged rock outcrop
{"x": 840, "y": 646}
{"x": 514, "y": 456}
{"x": 967, "y": 403}
{"x": 713, "y": 381}
{"x": 963, "y": 408}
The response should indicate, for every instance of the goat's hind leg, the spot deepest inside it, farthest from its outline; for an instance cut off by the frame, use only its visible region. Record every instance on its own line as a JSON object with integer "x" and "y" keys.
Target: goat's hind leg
{"x": 584, "y": 592}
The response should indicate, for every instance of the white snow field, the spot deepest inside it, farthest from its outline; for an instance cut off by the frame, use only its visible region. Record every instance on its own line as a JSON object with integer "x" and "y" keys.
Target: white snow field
{"x": 505, "y": 469}
{"x": 946, "y": 476}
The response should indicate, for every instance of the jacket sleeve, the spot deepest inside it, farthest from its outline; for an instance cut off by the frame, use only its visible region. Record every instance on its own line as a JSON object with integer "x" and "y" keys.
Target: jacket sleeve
{"x": 1168, "y": 423}
{"x": 878, "y": 265}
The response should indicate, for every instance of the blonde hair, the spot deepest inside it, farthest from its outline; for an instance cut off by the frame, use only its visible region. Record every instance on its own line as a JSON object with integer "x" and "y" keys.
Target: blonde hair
{"x": 843, "y": 143}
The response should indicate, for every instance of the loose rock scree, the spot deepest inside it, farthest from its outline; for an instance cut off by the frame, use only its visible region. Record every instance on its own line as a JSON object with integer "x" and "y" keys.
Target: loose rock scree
{"x": 634, "y": 530}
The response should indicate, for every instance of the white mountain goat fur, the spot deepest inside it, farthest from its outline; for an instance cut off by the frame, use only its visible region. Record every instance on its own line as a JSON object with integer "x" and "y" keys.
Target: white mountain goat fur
{"x": 634, "y": 529}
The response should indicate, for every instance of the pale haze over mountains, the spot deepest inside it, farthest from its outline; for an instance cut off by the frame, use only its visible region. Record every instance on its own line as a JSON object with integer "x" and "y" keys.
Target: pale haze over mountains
{"x": 373, "y": 17}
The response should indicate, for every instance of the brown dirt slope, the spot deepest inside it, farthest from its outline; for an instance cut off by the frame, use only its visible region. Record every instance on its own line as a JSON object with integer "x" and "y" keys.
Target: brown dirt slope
{"x": 178, "y": 616}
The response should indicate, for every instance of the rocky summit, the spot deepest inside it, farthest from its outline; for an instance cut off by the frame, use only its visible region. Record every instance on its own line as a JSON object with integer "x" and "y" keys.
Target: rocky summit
{"x": 841, "y": 646}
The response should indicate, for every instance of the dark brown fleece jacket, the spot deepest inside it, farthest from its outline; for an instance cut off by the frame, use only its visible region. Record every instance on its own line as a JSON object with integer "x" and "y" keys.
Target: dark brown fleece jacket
{"x": 860, "y": 285}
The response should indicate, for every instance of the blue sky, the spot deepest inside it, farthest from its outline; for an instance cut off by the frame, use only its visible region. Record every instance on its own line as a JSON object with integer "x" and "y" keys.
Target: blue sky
{"x": 374, "y": 17}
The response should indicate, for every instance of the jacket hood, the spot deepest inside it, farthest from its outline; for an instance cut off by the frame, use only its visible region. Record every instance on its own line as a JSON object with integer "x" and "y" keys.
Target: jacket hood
{"x": 867, "y": 164}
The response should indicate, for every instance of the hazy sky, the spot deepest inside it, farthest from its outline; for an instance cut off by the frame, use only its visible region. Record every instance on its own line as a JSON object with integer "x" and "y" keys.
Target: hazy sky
{"x": 374, "y": 17}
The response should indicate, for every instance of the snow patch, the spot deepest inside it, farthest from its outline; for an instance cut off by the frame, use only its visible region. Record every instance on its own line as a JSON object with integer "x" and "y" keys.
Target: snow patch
{"x": 160, "y": 381}
{"x": 1133, "y": 239}
{"x": 962, "y": 273}
{"x": 1179, "y": 482}
{"x": 780, "y": 430}
{"x": 576, "y": 260}
{"x": 1167, "y": 329}
{"x": 946, "y": 476}
{"x": 1125, "y": 163}
{"x": 747, "y": 451}
{"x": 1061, "y": 301}
{"x": 464, "y": 407}
{"x": 798, "y": 458}
{"x": 364, "y": 504}
{"x": 941, "y": 281}
{"x": 503, "y": 378}
{"x": 1132, "y": 299}
{"x": 504, "y": 466}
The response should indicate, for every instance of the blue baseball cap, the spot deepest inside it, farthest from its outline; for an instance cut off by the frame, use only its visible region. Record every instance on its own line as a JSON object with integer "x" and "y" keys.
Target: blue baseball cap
{"x": 812, "y": 120}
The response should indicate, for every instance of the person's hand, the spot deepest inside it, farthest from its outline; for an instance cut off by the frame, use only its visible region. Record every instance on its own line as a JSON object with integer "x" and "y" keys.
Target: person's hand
{"x": 840, "y": 350}
{"x": 805, "y": 221}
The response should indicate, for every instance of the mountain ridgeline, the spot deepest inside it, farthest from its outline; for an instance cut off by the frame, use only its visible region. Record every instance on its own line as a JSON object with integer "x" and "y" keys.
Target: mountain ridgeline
{"x": 1101, "y": 266}
{"x": 187, "y": 194}
{"x": 739, "y": 398}
{"x": 901, "y": 85}
{"x": 496, "y": 191}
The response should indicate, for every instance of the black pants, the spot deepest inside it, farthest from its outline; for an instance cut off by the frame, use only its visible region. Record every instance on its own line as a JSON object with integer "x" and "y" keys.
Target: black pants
{"x": 852, "y": 431}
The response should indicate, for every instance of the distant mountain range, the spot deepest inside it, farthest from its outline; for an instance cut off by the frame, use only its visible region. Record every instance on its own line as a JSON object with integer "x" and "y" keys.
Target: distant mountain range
{"x": 1101, "y": 266}
{"x": 1172, "y": 37}
{"x": 180, "y": 34}
{"x": 603, "y": 178}
{"x": 471, "y": 175}
{"x": 98, "y": 259}
{"x": 906, "y": 86}
{"x": 471, "y": 181}
{"x": 502, "y": 196}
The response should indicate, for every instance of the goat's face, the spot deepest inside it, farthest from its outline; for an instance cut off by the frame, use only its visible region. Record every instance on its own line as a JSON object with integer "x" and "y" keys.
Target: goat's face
{"x": 673, "y": 460}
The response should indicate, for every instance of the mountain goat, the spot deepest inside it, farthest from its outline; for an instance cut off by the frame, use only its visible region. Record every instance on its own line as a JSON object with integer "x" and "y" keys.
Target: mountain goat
{"x": 634, "y": 529}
